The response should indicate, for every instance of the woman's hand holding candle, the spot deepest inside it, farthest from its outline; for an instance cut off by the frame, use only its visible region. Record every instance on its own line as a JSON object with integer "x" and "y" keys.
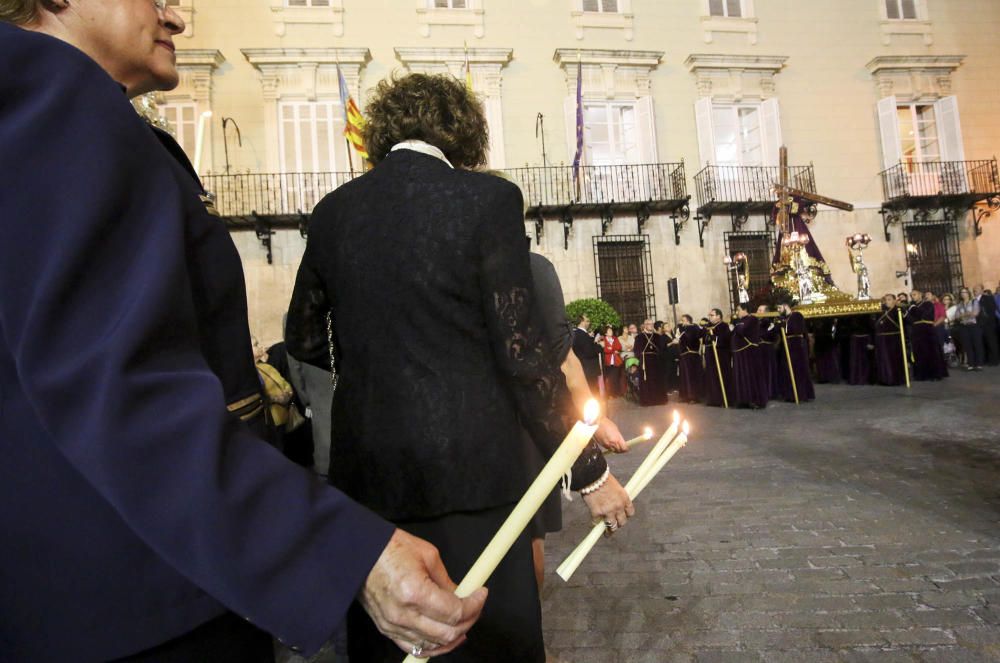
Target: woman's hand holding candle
{"x": 661, "y": 454}
{"x": 647, "y": 434}
{"x": 559, "y": 464}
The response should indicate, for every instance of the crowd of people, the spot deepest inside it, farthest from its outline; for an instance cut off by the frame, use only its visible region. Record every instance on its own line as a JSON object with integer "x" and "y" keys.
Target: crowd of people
{"x": 760, "y": 355}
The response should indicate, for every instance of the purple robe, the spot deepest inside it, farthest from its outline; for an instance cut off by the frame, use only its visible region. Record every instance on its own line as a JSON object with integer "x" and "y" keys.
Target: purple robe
{"x": 719, "y": 338}
{"x": 827, "y": 353}
{"x": 652, "y": 387}
{"x": 889, "y": 349}
{"x": 861, "y": 365}
{"x": 798, "y": 352}
{"x": 769, "y": 342}
{"x": 692, "y": 372}
{"x": 750, "y": 377}
{"x": 928, "y": 356}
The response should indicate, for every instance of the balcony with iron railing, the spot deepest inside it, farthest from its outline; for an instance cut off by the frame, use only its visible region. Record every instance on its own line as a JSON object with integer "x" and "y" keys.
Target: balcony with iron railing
{"x": 746, "y": 189}
{"x": 953, "y": 187}
{"x": 935, "y": 184}
{"x": 286, "y": 199}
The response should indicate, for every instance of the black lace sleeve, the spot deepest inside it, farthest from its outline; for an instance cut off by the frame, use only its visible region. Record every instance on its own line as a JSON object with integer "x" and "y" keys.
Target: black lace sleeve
{"x": 306, "y": 327}
{"x": 520, "y": 345}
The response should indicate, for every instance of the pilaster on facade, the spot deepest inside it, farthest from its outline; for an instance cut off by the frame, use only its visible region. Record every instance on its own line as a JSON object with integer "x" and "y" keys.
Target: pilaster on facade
{"x": 486, "y": 66}
{"x": 332, "y": 14}
{"x": 195, "y": 69}
{"x": 746, "y": 23}
{"x": 185, "y": 9}
{"x": 302, "y": 74}
{"x": 472, "y": 15}
{"x": 622, "y": 20}
{"x": 919, "y": 26}
{"x": 735, "y": 77}
{"x": 609, "y": 73}
{"x": 912, "y": 78}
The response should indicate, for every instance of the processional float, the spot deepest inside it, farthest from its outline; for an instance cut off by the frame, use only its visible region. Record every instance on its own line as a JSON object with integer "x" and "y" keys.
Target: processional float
{"x": 798, "y": 265}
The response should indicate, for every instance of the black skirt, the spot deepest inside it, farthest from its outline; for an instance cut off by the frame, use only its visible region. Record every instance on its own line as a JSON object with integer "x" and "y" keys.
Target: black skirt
{"x": 510, "y": 628}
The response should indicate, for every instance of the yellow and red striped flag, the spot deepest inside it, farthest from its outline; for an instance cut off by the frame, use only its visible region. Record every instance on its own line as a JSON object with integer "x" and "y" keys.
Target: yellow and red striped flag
{"x": 468, "y": 70}
{"x": 354, "y": 121}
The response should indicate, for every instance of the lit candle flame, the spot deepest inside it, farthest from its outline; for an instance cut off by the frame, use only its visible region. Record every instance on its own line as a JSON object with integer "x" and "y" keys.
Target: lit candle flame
{"x": 686, "y": 428}
{"x": 677, "y": 417}
{"x": 591, "y": 412}
{"x": 648, "y": 433}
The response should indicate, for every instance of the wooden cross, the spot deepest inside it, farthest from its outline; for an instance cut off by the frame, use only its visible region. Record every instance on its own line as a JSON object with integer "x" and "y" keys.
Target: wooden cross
{"x": 785, "y": 192}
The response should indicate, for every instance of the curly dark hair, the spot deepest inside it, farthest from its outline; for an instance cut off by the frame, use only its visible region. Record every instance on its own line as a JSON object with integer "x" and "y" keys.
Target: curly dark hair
{"x": 437, "y": 109}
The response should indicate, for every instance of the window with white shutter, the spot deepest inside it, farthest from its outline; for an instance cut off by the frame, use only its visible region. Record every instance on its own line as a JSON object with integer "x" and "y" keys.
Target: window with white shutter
{"x": 727, "y": 8}
{"x": 603, "y": 6}
{"x": 901, "y": 10}
{"x": 310, "y": 136}
{"x": 610, "y": 133}
{"x": 183, "y": 117}
{"x": 307, "y": 3}
{"x": 447, "y": 4}
{"x": 737, "y": 135}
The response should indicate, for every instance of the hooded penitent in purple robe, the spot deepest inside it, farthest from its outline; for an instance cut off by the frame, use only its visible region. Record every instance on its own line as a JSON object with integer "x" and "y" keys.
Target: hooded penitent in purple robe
{"x": 750, "y": 378}
{"x": 718, "y": 341}
{"x": 928, "y": 356}
{"x": 692, "y": 372}
{"x": 798, "y": 356}
{"x": 889, "y": 348}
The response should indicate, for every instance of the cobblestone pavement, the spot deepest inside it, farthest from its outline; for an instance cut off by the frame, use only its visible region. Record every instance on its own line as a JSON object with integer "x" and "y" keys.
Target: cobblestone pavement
{"x": 861, "y": 527}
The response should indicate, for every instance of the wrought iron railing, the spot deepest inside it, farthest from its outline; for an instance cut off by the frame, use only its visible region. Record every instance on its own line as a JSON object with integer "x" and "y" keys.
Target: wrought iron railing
{"x": 555, "y": 186}
{"x": 940, "y": 178}
{"x": 284, "y": 194}
{"x": 272, "y": 193}
{"x": 742, "y": 184}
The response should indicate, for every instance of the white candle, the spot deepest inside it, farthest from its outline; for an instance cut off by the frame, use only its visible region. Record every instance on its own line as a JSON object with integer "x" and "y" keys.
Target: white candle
{"x": 199, "y": 140}
{"x": 651, "y": 457}
{"x": 664, "y": 458}
{"x": 560, "y": 463}
{"x": 575, "y": 558}
{"x": 647, "y": 434}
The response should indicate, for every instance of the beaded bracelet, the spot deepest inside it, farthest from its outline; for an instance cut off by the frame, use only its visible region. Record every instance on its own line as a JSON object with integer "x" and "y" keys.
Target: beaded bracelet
{"x": 597, "y": 484}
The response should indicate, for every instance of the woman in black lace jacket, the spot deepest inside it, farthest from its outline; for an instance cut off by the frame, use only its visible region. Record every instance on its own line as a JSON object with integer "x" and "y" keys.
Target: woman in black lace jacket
{"x": 429, "y": 405}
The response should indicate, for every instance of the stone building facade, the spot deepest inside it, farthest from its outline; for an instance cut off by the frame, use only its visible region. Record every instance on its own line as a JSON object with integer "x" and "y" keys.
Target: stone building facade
{"x": 893, "y": 104}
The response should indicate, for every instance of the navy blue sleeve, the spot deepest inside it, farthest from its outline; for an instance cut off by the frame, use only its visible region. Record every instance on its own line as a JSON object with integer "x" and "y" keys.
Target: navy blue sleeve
{"x": 98, "y": 316}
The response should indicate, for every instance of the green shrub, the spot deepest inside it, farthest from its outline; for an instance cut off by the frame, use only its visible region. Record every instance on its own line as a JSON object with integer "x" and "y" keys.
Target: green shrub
{"x": 599, "y": 311}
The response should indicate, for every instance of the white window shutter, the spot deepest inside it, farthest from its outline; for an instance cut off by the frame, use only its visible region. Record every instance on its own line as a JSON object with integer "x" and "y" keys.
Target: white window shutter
{"x": 770, "y": 132}
{"x": 646, "y": 134}
{"x": 949, "y": 129}
{"x": 888, "y": 124}
{"x": 706, "y": 135}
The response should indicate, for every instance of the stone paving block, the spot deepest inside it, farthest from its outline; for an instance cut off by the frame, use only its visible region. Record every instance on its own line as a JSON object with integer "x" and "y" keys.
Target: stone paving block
{"x": 946, "y": 618}
{"x": 870, "y": 655}
{"x": 730, "y": 656}
{"x": 799, "y": 656}
{"x": 976, "y": 568}
{"x": 950, "y": 599}
{"x": 879, "y": 619}
{"x": 919, "y": 636}
{"x": 978, "y": 635}
{"x": 954, "y": 655}
{"x": 841, "y": 639}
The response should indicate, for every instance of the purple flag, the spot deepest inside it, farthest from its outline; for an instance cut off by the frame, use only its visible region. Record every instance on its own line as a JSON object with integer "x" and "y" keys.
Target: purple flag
{"x": 579, "y": 125}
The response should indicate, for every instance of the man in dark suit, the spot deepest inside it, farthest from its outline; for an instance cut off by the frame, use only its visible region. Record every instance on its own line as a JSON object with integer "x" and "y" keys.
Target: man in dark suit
{"x": 141, "y": 518}
{"x": 588, "y": 352}
{"x": 988, "y": 323}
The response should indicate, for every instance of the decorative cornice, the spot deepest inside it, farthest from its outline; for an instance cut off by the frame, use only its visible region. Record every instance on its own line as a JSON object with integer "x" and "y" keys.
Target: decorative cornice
{"x": 939, "y": 64}
{"x": 423, "y": 54}
{"x": 697, "y": 62}
{"x": 566, "y": 57}
{"x": 204, "y": 57}
{"x": 259, "y": 57}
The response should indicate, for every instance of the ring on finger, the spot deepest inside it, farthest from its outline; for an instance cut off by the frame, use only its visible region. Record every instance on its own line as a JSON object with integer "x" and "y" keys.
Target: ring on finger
{"x": 417, "y": 649}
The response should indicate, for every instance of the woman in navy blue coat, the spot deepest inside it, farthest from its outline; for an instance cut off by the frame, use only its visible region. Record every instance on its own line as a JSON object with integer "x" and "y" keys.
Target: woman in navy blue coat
{"x": 142, "y": 518}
